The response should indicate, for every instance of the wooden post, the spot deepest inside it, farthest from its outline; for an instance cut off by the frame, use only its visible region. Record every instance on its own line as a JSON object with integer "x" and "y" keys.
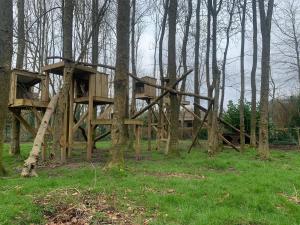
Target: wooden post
{"x": 90, "y": 132}
{"x": 71, "y": 119}
{"x": 63, "y": 153}
{"x": 137, "y": 146}
{"x": 45, "y": 87}
{"x": 298, "y": 135}
{"x": 149, "y": 126}
{"x": 44, "y": 151}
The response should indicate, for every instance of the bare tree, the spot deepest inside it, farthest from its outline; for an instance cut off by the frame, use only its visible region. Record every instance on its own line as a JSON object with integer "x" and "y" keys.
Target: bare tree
{"x": 243, "y": 7}
{"x": 6, "y": 50}
{"x": 288, "y": 37}
{"x": 265, "y": 24}
{"x": 232, "y": 5}
{"x": 253, "y": 76}
{"x": 185, "y": 40}
{"x": 68, "y": 8}
{"x": 213, "y": 142}
{"x": 196, "y": 123}
{"x": 15, "y": 123}
{"x": 119, "y": 129}
{"x": 161, "y": 70}
{"x": 174, "y": 101}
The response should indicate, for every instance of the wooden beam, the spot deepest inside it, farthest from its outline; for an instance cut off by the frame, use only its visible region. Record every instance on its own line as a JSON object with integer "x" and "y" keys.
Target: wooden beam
{"x": 80, "y": 121}
{"x": 25, "y": 123}
{"x": 200, "y": 127}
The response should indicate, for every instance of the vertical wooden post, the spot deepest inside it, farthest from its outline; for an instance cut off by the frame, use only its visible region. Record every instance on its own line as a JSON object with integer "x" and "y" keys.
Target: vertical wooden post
{"x": 45, "y": 88}
{"x": 149, "y": 126}
{"x": 71, "y": 119}
{"x": 90, "y": 132}
{"x": 298, "y": 135}
{"x": 44, "y": 151}
{"x": 137, "y": 146}
{"x": 64, "y": 140}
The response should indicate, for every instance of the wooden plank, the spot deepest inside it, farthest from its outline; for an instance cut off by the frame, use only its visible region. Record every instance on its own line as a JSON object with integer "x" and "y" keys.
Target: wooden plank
{"x": 13, "y": 88}
{"x": 102, "y": 122}
{"x": 50, "y": 67}
{"x": 133, "y": 122}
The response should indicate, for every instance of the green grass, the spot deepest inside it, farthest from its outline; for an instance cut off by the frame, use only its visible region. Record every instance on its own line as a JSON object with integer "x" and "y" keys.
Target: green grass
{"x": 237, "y": 189}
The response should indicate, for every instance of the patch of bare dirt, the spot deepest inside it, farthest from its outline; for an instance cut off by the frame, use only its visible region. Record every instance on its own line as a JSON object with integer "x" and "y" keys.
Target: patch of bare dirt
{"x": 71, "y": 207}
{"x": 292, "y": 198}
{"x": 176, "y": 175}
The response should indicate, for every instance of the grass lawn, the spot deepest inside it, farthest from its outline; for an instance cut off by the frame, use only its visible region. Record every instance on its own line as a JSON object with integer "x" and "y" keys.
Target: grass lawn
{"x": 228, "y": 189}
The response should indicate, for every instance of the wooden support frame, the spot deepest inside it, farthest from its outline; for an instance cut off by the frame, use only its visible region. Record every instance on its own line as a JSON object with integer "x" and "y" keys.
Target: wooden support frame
{"x": 80, "y": 121}
{"x": 223, "y": 121}
{"x": 204, "y": 122}
{"x": 32, "y": 130}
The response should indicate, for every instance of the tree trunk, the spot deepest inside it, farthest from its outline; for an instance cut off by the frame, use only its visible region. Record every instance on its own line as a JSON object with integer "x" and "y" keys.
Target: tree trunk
{"x": 196, "y": 123}
{"x": 225, "y": 58}
{"x": 160, "y": 126}
{"x": 64, "y": 92}
{"x": 253, "y": 77}
{"x": 31, "y": 163}
{"x": 213, "y": 145}
{"x": 6, "y": 51}
{"x": 174, "y": 101}
{"x": 207, "y": 65}
{"x": 185, "y": 41}
{"x": 242, "y": 96}
{"x": 266, "y": 23}
{"x": 119, "y": 129}
{"x": 15, "y": 123}
{"x": 95, "y": 35}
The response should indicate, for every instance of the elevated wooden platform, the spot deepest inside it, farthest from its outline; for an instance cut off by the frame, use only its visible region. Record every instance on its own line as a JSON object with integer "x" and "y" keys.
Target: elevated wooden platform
{"x": 80, "y": 71}
{"x": 28, "y": 103}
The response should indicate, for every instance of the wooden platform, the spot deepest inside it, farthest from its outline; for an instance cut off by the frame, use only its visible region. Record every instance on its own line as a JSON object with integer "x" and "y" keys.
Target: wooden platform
{"x": 97, "y": 100}
{"x": 80, "y": 70}
{"x": 29, "y": 103}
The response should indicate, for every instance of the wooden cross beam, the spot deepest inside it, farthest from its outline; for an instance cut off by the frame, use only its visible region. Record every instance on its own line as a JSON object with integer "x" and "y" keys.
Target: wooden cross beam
{"x": 25, "y": 123}
{"x": 200, "y": 127}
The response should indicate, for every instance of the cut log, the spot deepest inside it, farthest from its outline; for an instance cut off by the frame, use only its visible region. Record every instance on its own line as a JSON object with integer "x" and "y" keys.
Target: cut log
{"x": 31, "y": 163}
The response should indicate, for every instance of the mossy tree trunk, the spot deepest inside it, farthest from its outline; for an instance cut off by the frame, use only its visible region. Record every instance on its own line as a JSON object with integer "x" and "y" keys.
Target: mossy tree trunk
{"x": 6, "y": 50}
{"x": 119, "y": 130}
